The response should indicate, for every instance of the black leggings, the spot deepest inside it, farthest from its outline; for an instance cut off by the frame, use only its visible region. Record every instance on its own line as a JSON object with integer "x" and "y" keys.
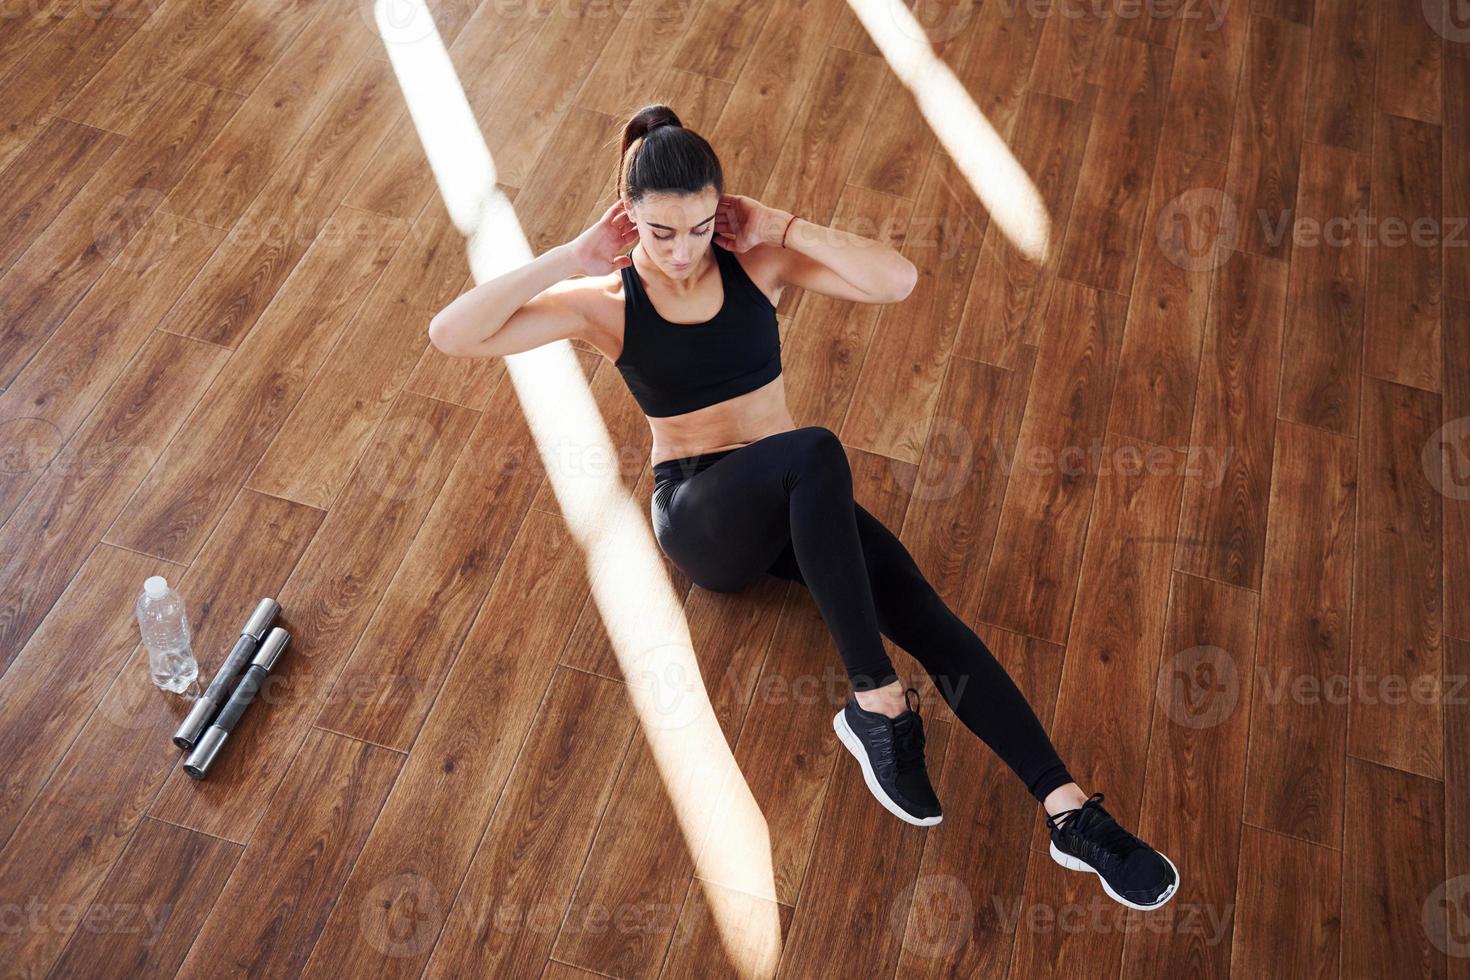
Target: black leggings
{"x": 783, "y": 506}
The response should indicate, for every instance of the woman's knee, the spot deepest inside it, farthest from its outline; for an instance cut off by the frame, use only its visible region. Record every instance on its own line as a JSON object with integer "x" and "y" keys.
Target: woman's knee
{"x": 821, "y": 453}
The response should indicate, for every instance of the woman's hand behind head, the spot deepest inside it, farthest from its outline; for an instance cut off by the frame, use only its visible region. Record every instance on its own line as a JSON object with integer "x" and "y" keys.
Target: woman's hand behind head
{"x": 599, "y": 248}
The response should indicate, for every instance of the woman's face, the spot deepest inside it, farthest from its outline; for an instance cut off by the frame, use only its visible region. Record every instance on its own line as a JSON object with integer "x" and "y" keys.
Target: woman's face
{"x": 676, "y": 229}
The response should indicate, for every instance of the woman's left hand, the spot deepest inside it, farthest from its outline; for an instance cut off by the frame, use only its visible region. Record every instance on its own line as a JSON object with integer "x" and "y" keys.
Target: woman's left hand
{"x": 741, "y": 222}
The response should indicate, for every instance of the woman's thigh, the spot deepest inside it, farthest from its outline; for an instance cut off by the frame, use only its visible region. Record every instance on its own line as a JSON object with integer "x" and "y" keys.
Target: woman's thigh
{"x": 726, "y": 525}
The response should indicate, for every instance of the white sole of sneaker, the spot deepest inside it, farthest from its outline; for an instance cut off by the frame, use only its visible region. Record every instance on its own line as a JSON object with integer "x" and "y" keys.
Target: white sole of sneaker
{"x": 1077, "y": 864}
{"x": 849, "y": 738}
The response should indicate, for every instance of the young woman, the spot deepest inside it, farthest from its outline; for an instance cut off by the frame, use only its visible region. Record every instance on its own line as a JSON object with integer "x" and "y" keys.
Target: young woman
{"x": 740, "y": 491}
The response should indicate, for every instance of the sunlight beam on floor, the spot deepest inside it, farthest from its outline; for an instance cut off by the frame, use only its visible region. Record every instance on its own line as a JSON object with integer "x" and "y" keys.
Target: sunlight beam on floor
{"x": 978, "y": 151}
{"x": 643, "y": 616}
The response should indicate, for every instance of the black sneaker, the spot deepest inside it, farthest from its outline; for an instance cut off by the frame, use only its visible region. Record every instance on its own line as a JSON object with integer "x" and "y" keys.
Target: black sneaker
{"x": 891, "y": 752}
{"x": 1132, "y": 872}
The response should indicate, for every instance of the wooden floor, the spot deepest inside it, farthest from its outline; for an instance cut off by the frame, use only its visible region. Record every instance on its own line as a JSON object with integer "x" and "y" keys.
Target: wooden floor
{"x": 1184, "y": 476}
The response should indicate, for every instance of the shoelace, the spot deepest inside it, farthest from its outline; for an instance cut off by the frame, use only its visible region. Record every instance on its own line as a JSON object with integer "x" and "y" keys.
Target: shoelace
{"x": 1102, "y": 832}
{"x": 908, "y": 738}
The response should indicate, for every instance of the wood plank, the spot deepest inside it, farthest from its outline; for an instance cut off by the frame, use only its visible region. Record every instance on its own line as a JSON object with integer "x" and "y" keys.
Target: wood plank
{"x": 1326, "y": 296}
{"x": 1116, "y": 633}
{"x": 1409, "y": 56}
{"x": 1222, "y": 520}
{"x": 1032, "y": 575}
{"x": 58, "y": 64}
{"x": 827, "y": 137}
{"x": 1392, "y": 858}
{"x": 149, "y": 910}
{"x": 69, "y": 839}
{"x": 117, "y": 98}
{"x": 1343, "y": 59}
{"x": 722, "y": 37}
{"x": 370, "y": 364}
{"x": 50, "y": 278}
{"x": 203, "y": 467}
{"x": 1456, "y": 810}
{"x": 1265, "y": 145}
{"x": 789, "y": 46}
{"x": 1456, "y": 204}
{"x": 1397, "y": 585}
{"x": 460, "y": 763}
{"x": 1405, "y": 269}
{"x": 1075, "y": 43}
{"x": 642, "y": 49}
{"x": 331, "y": 596}
{"x": 518, "y": 118}
{"x": 488, "y": 49}
{"x": 1184, "y": 242}
{"x": 721, "y": 925}
{"x": 241, "y": 278}
{"x": 290, "y": 878}
{"x": 1299, "y": 717}
{"x": 240, "y": 54}
{"x": 1101, "y": 245}
{"x": 398, "y": 668}
{"x": 524, "y": 871}
{"x": 821, "y": 359}
{"x": 56, "y": 390}
{"x": 1288, "y": 901}
{"x": 1296, "y": 11}
{"x": 1009, "y": 289}
{"x": 1454, "y": 482}
{"x": 904, "y": 363}
{"x": 1205, "y": 82}
{"x": 44, "y": 177}
{"x": 962, "y": 477}
{"x": 1191, "y": 807}
{"x": 45, "y": 697}
{"x": 968, "y": 894}
{"x": 60, "y": 520}
{"x": 841, "y": 926}
{"x": 307, "y": 84}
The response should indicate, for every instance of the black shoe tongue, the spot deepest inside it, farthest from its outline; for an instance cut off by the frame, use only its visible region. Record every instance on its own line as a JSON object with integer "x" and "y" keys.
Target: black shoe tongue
{"x": 1085, "y": 818}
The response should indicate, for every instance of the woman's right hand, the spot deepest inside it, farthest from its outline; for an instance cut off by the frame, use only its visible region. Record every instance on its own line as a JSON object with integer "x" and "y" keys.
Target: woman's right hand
{"x": 598, "y": 249}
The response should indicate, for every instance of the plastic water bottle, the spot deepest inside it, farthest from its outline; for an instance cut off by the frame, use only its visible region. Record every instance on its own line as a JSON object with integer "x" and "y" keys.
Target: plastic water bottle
{"x": 165, "y": 629}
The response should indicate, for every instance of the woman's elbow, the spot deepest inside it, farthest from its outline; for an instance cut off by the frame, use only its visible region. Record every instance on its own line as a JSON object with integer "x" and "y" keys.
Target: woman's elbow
{"x": 441, "y": 335}
{"x": 906, "y": 280}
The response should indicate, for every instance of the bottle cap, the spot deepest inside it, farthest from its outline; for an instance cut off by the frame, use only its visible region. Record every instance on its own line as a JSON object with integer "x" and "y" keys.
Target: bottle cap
{"x": 155, "y": 586}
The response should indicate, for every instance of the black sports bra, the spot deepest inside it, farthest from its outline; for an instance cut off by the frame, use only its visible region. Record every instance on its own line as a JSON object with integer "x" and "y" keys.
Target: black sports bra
{"x": 673, "y": 368}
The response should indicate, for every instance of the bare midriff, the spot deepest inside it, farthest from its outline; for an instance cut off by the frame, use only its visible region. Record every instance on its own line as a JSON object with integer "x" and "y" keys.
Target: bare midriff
{"x": 729, "y": 424}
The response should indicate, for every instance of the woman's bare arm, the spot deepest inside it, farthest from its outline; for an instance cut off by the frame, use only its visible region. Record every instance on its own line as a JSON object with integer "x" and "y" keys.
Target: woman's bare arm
{"x": 526, "y": 307}
{"x": 549, "y": 298}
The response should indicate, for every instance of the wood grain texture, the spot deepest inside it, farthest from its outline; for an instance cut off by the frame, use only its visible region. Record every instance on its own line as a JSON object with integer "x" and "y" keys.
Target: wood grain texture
{"x": 1322, "y": 350}
{"x": 226, "y": 226}
{"x": 1299, "y": 718}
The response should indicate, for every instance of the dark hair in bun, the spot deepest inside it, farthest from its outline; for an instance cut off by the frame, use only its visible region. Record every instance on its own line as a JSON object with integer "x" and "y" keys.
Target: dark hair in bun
{"x": 660, "y": 155}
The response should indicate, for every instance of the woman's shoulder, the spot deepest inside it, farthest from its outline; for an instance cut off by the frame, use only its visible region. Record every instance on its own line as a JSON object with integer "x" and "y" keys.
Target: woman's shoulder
{"x": 604, "y": 300}
{"x": 762, "y": 265}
